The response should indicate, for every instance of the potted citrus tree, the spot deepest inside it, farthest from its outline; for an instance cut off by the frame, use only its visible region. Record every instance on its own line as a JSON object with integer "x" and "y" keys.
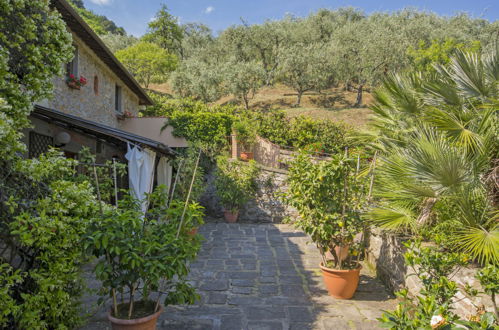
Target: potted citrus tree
{"x": 329, "y": 198}
{"x": 235, "y": 183}
{"x": 144, "y": 256}
{"x": 246, "y": 136}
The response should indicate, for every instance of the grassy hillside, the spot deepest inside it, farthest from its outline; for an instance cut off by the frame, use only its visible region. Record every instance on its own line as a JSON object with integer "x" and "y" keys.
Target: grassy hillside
{"x": 335, "y": 104}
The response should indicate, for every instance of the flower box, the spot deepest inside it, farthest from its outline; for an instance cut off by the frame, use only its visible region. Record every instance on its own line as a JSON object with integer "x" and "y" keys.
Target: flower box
{"x": 75, "y": 82}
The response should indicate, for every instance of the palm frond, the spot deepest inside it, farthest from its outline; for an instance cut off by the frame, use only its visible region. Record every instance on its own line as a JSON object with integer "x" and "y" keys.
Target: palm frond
{"x": 395, "y": 218}
{"x": 481, "y": 244}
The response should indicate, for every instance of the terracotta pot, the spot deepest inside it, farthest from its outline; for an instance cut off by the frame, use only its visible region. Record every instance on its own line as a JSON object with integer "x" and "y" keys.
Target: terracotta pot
{"x": 143, "y": 323}
{"x": 193, "y": 231}
{"x": 344, "y": 253}
{"x": 341, "y": 284}
{"x": 230, "y": 216}
{"x": 246, "y": 156}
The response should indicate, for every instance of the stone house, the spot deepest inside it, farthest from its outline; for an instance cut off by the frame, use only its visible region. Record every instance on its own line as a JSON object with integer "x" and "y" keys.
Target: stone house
{"x": 95, "y": 104}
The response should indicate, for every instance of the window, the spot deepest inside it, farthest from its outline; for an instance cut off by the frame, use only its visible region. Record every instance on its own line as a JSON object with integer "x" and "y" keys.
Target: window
{"x": 39, "y": 144}
{"x": 72, "y": 67}
{"x": 96, "y": 85}
{"x": 117, "y": 99}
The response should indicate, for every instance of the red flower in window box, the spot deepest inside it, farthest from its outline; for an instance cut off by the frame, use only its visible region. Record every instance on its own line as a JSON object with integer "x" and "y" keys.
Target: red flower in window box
{"x": 74, "y": 82}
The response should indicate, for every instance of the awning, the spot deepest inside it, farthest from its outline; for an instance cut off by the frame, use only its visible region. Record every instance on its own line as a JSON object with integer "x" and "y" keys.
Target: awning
{"x": 101, "y": 131}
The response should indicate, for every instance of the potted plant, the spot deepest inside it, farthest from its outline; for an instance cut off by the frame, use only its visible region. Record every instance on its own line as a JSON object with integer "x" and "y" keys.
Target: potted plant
{"x": 235, "y": 183}
{"x": 329, "y": 198}
{"x": 246, "y": 136}
{"x": 144, "y": 254}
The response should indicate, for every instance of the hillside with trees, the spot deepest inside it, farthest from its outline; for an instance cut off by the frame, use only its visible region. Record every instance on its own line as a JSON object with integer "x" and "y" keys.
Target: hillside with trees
{"x": 324, "y": 65}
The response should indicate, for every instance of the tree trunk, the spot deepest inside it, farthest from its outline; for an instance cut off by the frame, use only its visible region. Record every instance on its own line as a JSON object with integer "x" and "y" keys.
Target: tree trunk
{"x": 246, "y": 102}
{"x": 298, "y": 99}
{"x": 424, "y": 216}
{"x": 358, "y": 103}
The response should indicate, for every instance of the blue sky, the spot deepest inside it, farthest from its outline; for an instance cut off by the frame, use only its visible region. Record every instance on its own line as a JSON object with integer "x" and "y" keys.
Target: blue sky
{"x": 134, "y": 15}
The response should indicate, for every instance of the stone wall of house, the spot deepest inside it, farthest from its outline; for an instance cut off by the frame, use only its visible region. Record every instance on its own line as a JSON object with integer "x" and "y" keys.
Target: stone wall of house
{"x": 386, "y": 256}
{"x": 86, "y": 103}
{"x": 267, "y": 206}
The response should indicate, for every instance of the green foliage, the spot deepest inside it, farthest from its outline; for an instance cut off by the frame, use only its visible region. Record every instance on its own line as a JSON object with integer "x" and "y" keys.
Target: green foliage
{"x": 489, "y": 279}
{"x": 329, "y": 197}
{"x": 43, "y": 230}
{"x": 99, "y": 23}
{"x": 425, "y": 56}
{"x": 246, "y": 132}
{"x": 105, "y": 174}
{"x": 34, "y": 43}
{"x": 305, "y": 68}
{"x": 185, "y": 163}
{"x": 41, "y": 209}
{"x": 198, "y": 79}
{"x": 301, "y": 132}
{"x": 432, "y": 308}
{"x": 438, "y": 137}
{"x": 148, "y": 62}
{"x": 143, "y": 253}
{"x": 166, "y": 106}
{"x": 117, "y": 42}
{"x": 235, "y": 182}
{"x": 165, "y": 31}
{"x": 206, "y": 130}
{"x": 243, "y": 79}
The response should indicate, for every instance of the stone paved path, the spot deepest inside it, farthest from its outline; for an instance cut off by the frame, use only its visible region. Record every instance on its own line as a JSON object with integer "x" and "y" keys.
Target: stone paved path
{"x": 264, "y": 276}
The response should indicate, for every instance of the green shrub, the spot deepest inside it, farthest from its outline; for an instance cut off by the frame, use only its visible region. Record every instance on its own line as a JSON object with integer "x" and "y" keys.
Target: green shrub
{"x": 209, "y": 131}
{"x": 301, "y": 132}
{"x": 235, "y": 182}
{"x": 432, "y": 308}
{"x": 43, "y": 222}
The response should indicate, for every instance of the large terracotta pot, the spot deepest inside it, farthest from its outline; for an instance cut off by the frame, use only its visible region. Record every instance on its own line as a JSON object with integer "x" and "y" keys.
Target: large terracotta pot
{"x": 143, "y": 323}
{"x": 230, "y": 216}
{"x": 246, "y": 156}
{"x": 344, "y": 252}
{"x": 341, "y": 284}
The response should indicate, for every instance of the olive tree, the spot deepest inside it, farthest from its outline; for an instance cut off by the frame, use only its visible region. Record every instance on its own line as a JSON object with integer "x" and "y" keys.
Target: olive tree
{"x": 243, "y": 79}
{"x": 305, "y": 68}
{"x": 198, "y": 79}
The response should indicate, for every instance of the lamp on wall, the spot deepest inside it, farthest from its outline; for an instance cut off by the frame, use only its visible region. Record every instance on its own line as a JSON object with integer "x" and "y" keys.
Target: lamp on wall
{"x": 61, "y": 139}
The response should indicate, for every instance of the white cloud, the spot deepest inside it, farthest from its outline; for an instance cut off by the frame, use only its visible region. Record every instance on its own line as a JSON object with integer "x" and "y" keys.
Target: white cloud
{"x": 101, "y": 2}
{"x": 209, "y": 9}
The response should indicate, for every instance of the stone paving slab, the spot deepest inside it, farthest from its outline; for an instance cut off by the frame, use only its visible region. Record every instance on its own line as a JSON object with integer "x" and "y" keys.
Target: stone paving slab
{"x": 265, "y": 276}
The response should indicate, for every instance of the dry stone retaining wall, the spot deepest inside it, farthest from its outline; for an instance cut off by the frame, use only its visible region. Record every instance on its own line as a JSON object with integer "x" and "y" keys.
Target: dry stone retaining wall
{"x": 267, "y": 206}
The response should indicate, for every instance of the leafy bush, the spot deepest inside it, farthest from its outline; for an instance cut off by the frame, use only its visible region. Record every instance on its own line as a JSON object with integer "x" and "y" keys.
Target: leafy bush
{"x": 329, "y": 197}
{"x": 246, "y": 133}
{"x": 43, "y": 222}
{"x": 145, "y": 253}
{"x": 301, "y": 132}
{"x": 209, "y": 131}
{"x": 235, "y": 182}
{"x": 433, "y": 307}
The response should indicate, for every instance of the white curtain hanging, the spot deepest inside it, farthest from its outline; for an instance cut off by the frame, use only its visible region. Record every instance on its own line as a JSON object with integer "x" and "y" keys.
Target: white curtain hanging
{"x": 164, "y": 173}
{"x": 140, "y": 173}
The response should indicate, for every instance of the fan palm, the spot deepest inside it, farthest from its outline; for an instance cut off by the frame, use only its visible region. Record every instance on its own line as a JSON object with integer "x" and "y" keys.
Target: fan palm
{"x": 438, "y": 140}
